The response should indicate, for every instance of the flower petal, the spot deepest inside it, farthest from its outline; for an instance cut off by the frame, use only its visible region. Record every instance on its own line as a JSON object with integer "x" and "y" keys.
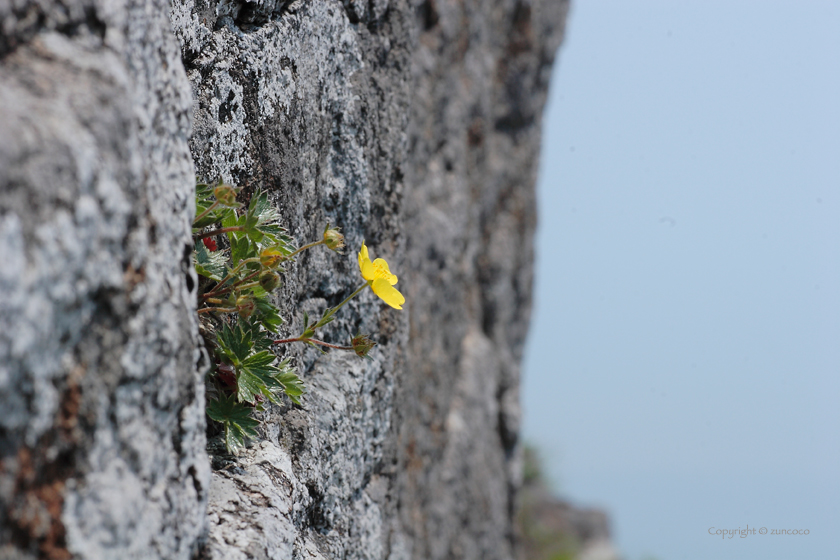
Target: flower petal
{"x": 382, "y": 271}
{"x": 387, "y": 293}
{"x": 365, "y": 266}
{"x": 363, "y": 255}
{"x": 368, "y": 271}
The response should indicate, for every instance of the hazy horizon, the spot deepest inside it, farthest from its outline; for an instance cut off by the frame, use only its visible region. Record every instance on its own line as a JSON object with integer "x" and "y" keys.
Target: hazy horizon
{"x": 682, "y": 365}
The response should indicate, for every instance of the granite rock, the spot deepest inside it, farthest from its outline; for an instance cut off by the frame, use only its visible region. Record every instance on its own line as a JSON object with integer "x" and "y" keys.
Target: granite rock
{"x": 102, "y": 436}
{"x": 414, "y": 126}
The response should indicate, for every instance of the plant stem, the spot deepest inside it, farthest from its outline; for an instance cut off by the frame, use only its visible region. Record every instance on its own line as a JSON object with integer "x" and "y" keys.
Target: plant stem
{"x": 305, "y": 247}
{"x": 332, "y": 311}
{"x": 217, "y": 309}
{"x": 313, "y": 341}
{"x": 235, "y": 285}
{"x": 242, "y": 263}
{"x": 351, "y": 296}
{"x": 211, "y": 233}
{"x": 229, "y": 275}
{"x": 212, "y": 207}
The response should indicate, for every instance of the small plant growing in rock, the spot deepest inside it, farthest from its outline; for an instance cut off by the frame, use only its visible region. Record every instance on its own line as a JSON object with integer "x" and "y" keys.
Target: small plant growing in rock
{"x": 240, "y": 253}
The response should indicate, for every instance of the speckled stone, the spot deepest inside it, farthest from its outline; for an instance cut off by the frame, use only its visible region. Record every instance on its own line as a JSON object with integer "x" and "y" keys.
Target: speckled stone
{"x": 102, "y": 436}
{"x": 411, "y": 125}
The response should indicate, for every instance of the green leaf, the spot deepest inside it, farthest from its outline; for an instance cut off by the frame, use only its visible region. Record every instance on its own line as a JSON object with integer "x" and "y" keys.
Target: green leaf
{"x": 207, "y": 220}
{"x": 211, "y": 264}
{"x": 236, "y": 419}
{"x": 204, "y": 199}
{"x": 261, "y": 210}
{"x": 216, "y": 216}
{"x": 261, "y": 340}
{"x": 240, "y": 249}
{"x": 258, "y": 377}
{"x": 234, "y": 343}
{"x": 276, "y": 235}
{"x": 292, "y": 384}
{"x": 255, "y": 373}
{"x": 268, "y": 315}
{"x": 326, "y": 318}
{"x": 261, "y": 223}
{"x": 232, "y": 220}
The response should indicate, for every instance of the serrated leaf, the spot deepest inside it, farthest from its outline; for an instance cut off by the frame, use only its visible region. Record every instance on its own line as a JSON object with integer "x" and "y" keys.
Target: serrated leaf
{"x": 207, "y": 220}
{"x": 261, "y": 207}
{"x": 253, "y": 233}
{"x": 292, "y": 384}
{"x": 272, "y": 232}
{"x": 234, "y": 343}
{"x": 260, "y": 339}
{"x": 260, "y": 361}
{"x": 268, "y": 315}
{"x": 280, "y": 238}
{"x": 204, "y": 198}
{"x": 261, "y": 223}
{"x": 240, "y": 249}
{"x": 211, "y": 264}
{"x": 236, "y": 418}
{"x": 257, "y": 376}
{"x": 216, "y": 216}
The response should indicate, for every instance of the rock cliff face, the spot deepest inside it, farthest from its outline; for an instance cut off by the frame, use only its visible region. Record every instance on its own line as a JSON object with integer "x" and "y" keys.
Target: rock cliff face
{"x": 413, "y": 126}
{"x": 102, "y": 426}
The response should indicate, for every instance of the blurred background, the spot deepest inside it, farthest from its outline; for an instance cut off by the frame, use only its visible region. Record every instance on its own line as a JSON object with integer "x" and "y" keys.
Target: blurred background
{"x": 682, "y": 365}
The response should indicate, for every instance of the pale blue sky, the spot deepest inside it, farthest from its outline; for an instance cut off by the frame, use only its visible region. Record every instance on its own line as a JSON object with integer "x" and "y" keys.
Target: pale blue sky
{"x": 683, "y": 366}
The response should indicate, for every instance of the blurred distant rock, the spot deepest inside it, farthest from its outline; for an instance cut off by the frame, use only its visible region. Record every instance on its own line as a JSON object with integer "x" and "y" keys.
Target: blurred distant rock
{"x": 554, "y": 529}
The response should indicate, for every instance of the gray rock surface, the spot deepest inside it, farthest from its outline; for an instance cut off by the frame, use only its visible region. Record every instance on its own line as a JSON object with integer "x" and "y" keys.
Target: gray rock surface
{"x": 413, "y": 126}
{"x": 102, "y": 433}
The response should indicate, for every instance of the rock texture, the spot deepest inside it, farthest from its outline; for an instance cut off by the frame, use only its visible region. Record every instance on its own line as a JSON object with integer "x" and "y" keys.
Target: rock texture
{"x": 413, "y": 126}
{"x": 102, "y": 444}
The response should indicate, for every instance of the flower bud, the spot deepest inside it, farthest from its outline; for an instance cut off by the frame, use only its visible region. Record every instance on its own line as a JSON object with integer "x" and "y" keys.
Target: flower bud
{"x": 245, "y": 306}
{"x": 269, "y": 281}
{"x": 270, "y": 257}
{"x": 333, "y": 239}
{"x": 362, "y": 345}
{"x": 226, "y": 195}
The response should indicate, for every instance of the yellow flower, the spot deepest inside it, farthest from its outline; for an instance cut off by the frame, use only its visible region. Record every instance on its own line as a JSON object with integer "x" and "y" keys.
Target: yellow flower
{"x": 380, "y": 279}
